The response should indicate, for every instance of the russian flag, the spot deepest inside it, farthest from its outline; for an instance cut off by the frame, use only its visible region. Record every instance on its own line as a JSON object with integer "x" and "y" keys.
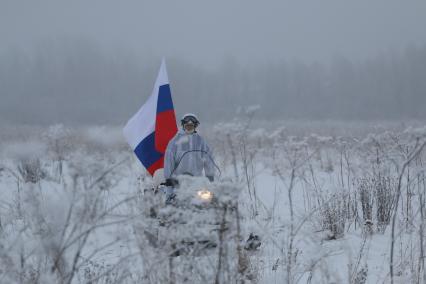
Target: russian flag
{"x": 149, "y": 131}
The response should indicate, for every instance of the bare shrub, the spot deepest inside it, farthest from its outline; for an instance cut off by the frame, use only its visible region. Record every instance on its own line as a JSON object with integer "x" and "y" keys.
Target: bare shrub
{"x": 52, "y": 241}
{"x": 333, "y": 216}
{"x": 385, "y": 199}
{"x": 31, "y": 170}
{"x": 59, "y": 144}
{"x": 377, "y": 198}
{"x": 95, "y": 272}
{"x": 361, "y": 276}
{"x": 365, "y": 191}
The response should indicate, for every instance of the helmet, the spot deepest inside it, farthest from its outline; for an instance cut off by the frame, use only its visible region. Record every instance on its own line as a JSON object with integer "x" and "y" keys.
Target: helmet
{"x": 190, "y": 117}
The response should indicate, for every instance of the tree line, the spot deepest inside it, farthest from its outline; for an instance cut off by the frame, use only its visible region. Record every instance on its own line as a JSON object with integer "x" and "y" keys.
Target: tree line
{"x": 78, "y": 82}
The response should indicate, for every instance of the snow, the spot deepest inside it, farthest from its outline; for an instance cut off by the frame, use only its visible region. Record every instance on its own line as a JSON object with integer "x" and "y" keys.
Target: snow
{"x": 86, "y": 215}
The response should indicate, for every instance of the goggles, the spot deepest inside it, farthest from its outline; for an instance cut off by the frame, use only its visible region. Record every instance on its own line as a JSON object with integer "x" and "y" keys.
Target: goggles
{"x": 189, "y": 119}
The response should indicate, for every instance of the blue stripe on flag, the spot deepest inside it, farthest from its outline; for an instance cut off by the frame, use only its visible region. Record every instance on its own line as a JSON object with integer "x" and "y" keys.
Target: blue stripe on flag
{"x": 146, "y": 152}
{"x": 164, "y": 102}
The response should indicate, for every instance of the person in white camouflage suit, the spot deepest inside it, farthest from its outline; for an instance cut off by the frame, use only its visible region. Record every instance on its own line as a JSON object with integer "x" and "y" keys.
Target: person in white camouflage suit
{"x": 188, "y": 153}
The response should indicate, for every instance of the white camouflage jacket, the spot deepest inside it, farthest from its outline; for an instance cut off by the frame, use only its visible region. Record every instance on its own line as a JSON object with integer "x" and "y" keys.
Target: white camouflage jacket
{"x": 188, "y": 154}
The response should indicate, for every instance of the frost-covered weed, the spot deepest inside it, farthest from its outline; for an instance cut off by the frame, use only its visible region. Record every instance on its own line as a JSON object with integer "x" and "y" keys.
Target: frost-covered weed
{"x": 333, "y": 216}
{"x": 31, "y": 170}
{"x": 82, "y": 218}
{"x": 377, "y": 198}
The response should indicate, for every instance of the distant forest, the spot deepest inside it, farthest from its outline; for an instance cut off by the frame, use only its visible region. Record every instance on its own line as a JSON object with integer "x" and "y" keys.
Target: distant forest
{"x": 77, "y": 82}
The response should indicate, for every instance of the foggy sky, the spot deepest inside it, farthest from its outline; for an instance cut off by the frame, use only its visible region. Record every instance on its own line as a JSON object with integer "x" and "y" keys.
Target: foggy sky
{"x": 95, "y": 61}
{"x": 205, "y": 32}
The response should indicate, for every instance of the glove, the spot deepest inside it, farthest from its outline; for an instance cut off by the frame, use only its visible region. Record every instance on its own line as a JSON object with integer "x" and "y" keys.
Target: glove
{"x": 211, "y": 178}
{"x": 171, "y": 182}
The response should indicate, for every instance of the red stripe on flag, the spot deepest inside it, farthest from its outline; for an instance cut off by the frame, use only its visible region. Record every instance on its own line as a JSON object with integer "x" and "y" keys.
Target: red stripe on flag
{"x": 157, "y": 165}
{"x": 165, "y": 129}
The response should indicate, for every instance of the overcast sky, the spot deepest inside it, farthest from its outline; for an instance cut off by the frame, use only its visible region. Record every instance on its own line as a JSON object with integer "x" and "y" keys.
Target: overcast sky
{"x": 206, "y": 31}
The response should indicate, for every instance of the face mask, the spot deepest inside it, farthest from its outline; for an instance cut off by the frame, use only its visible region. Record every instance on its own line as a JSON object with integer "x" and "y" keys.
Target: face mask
{"x": 189, "y": 128}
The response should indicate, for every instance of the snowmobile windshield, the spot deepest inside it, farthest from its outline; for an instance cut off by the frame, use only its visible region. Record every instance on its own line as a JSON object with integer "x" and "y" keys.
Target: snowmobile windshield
{"x": 194, "y": 152}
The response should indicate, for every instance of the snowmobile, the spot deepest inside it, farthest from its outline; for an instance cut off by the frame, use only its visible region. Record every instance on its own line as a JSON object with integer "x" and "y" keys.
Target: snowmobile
{"x": 196, "y": 219}
{"x": 190, "y": 215}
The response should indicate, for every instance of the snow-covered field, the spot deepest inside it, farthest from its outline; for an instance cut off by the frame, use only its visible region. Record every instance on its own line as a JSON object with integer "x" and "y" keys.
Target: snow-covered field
{"x": 331, "y": 202}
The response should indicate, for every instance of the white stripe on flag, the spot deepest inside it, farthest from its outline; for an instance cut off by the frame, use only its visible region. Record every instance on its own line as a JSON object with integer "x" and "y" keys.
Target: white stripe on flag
{"x": 142, "y": 123}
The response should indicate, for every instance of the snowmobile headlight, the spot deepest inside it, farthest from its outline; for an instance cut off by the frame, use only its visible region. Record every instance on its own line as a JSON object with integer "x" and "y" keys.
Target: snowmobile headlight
{"x": 205, "y": 195}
